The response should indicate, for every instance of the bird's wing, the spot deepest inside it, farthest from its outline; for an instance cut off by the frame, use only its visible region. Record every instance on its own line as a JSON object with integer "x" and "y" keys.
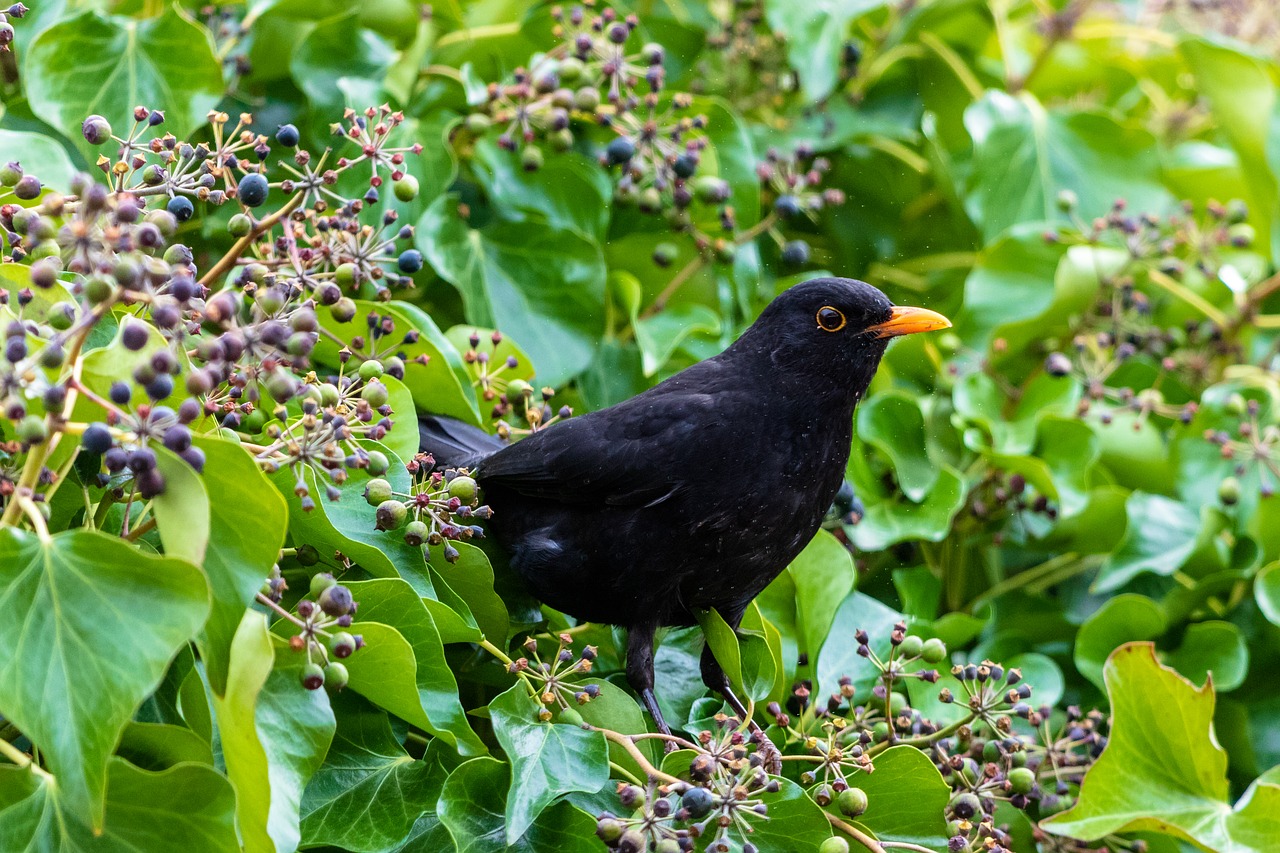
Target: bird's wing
{"x": 629, "y": 455}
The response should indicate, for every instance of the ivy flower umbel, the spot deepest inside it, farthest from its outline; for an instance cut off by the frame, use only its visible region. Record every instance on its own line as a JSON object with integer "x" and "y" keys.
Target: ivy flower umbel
{"x": 556, "y": 681}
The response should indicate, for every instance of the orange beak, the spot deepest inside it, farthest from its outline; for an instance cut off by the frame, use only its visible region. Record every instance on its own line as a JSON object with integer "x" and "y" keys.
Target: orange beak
{"x": 905, "y": 320}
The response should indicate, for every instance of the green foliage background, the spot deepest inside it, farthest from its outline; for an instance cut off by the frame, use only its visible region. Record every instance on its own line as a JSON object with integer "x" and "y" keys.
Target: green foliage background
{"x": 164, "y": 709}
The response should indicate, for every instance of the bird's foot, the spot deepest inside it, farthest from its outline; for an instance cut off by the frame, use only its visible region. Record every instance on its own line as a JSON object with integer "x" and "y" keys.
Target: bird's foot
{"x": 770, "y": 756}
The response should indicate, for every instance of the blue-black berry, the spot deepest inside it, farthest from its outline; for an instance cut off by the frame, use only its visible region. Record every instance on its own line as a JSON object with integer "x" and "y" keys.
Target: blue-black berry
{"x": 410, "y": 261}
{"x": 287, "y": 135}
{"x": 181, "y": 208}
{"x": 252, "y": 190}
{"x": 619, "y": 151}
{"x": 96, "y": 438}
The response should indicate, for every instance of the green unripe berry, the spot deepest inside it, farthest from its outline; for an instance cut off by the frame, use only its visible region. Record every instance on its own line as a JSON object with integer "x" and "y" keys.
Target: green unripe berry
{"x": 343, "y": 310}
{"x": 307, "y": 555}
{"x": 518, "y": 388}
{"x": 965, "y": 806}
{"x": 531, "y": 158}
{"x": 10, "y": 174}
{"x": 571, "y": 717}
{"x": 346, "y": 275}
{"x": 378, "y": 463}
{"x": 898, "y": 703}
{"x": 406, "y": 189}
{"x": 587, "y": 99}
{"x": 320, "y": 582}
{"x": 571, "y": 69}
{"x": 561, "y": 140}
{"x": 375, "y": 394}
{"x": 329, "y": 394}
{"x": 376, "y": 491}
{"x": 991, "y": 751}
{"x": 1229, "y": 491}
{"x": 342, "y": 645}
{"x": 911, "y": 646}
{"x": 31, "y": 430}
{"x": 934, "y": 650}
{"x": 463, "y": 488}
{"x": 608, "y": 830}
{"x": 312, "y": 676}
{"x": 834, "y": 844}
{"x": 391, "y": 515}
{"x": 336, "y": 676}
{"x": 1022, "y": 780}
{"x": 239, "y": 225}
{"x": 1067, "y": 201}
{"x": 370, "y": 369}
{"x": 880, "y": 731}
{"x": 98, "y": 289}
{"x": 477, "y": 124}
{"x": 62, "y": 316}
{"x": 415, "y": 533}
{"x": 852, "y": 802}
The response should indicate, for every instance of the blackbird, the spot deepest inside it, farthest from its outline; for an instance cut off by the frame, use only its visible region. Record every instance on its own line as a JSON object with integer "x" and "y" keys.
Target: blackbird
{"x": 698, "y": 492}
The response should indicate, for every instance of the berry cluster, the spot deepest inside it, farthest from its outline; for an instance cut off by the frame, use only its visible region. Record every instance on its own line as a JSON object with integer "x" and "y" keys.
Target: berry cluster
{"x": 716, "y": 807}
{"x": 437, "y": 509}
{"x": 748, "y": 61}
{"x": 1254, "y": 446}
{"x": 592, "y": 77}
{"x": 555, "y": 681}
{"x": 330, "y": 607}
{"x": 228, "y": 351}
{"x": 7, "y": 33}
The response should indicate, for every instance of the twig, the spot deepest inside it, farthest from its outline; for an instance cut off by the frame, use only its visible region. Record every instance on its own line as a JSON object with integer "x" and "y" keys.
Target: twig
{"x": 858, "y": 835}
{"x": 628, "y": 744}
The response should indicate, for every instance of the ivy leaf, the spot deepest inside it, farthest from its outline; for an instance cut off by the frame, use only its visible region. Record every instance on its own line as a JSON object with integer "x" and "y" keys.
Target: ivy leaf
{"x": 79, "y": 661}
{"x": 340, "y": 64}
{"x": 1119, "y": 620}
{"x": 1169, "y": 779}
{"x": 548, "y": 760}
{"x": 188, "y": 807}
{"x": 815, "y": 36}
{"x": 236, "y": 538}
{"x": 95, "y": 63}
{"x": 41, "y": 156}
{"x": 1266, "y": 589}
{"x": 1160, "y": 536}
{"x": 541, "y": 284}
{"x": 471, "y": 578}
{"x": 906, "y": 798}
{"x": 369, "y": 792}
{"x": 893, "y": 423}
{"x": 274, "y": 735}
{"x": 394, "y": 602}
{"x": 748, "y": 659}
{"x": 1025, "y": 154}
{"x": 568, "y": 191}
{"x": 894, "y": 520}
{"x": 473, "y": 808}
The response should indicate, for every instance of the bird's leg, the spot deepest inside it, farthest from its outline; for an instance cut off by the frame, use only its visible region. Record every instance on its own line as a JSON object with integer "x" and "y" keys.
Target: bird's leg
{"x": 640, "y": 674}
{"x": 714, "y": 677}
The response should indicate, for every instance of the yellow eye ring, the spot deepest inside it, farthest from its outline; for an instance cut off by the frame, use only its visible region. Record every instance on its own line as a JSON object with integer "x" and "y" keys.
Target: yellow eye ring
{"x": 830, "y": 319}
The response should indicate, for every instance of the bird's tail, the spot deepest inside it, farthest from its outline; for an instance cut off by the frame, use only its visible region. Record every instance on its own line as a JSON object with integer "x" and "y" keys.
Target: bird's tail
{"x": 455, "y": 444}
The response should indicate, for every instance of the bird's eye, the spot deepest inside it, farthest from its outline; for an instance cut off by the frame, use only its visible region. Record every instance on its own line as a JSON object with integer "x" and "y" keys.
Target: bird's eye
{"x": 830, "y": 319}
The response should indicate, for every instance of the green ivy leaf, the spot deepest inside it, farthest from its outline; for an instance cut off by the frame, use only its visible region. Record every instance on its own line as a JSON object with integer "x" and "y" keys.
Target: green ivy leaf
{"x": 839, "y": 654}
{"x": 471, "y": 578}
{"x": 569, "y": 191}
{"x": 893, "y": 423}
{"x": 79, "y": 659}
{"x": 541, "y": 284}
{"x": 1266, "y": 589}
{"x": 1169, "y": 779}
{"x": 894, "y": 520}
{"x": 1160, "y": 536}
{"x": 906, "y": 798}
{"x": 340, "y": 64}
{"x": 41, "y": 156}
{"x": 393, "y": 602}
{"x": 239, "y": 534}
{"x": 548, "y": 760}
{"x": 815, "y": 37}
{"x": 95, "y": 63}
{"x": 1214, "y": 649}
{"x": 1119, "y": 620}
{"x": 1025, "y": 154}
{"x": 369, "y": 792}
{"x": 274, "y": 735}
{"x": 473, "y": 808}
{"x": 188, "y": 807}
{"x": 823, "y": 575}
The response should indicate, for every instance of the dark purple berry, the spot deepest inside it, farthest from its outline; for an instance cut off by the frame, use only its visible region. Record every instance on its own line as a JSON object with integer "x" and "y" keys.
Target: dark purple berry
{"x": 795, "y": 252}
{"x": 619, "y": 151}
{"x": 177, "y": 438}
{"x": 120, "y": 393}
{"x": 142, "y": 459}
{"x": 115, "y": 459}
{"x": 96, "y": 438}
{"x": 133, "y": 335}
{"x": 787, "y": 206}
{"x": 96, "y": 130}
{"x": 27, "y": 188}
{"x": 194, "y": 457}
{"x": 336, "y": 600}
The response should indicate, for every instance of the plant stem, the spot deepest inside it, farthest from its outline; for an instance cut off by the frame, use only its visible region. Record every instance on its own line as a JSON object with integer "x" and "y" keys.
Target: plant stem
{"x": 629, "y": 745}
{"x": 856, "y": 834}
{"x": 19, "y": 757}
{"x": 495, "y": 651}
{"x": 228, "y": 260}
{"x": 923, "y": 740}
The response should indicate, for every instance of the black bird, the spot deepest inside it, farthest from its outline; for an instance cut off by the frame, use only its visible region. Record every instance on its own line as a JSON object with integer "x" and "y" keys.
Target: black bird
{"x": 698, "y": 492}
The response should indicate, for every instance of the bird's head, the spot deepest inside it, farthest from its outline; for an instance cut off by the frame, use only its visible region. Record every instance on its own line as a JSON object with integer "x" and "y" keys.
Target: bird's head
{"x": 836, "y": 329}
